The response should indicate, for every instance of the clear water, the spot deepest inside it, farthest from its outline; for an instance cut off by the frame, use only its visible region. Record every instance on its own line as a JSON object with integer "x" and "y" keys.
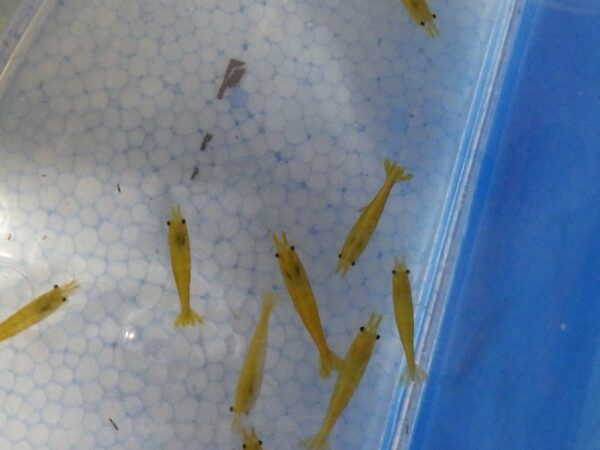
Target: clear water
{"x": 100, "y": 132}
{"x": 7, "y": 10}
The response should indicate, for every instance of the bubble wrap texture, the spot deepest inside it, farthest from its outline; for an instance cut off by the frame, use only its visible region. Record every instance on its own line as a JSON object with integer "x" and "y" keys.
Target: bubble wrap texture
{"x": 100, "y": 132}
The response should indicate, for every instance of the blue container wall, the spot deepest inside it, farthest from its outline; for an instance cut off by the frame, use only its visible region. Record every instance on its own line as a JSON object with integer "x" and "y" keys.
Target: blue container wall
{"x": 517, "y": 365}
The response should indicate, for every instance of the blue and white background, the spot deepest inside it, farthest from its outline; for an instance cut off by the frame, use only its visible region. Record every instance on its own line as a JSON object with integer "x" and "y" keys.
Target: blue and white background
{"x": 117, "y": 95}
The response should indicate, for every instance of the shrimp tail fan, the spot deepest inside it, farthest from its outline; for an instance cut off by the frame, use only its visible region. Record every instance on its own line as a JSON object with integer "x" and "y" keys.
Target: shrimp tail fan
{"x": 395, "y": 173}
{"x": 316, "y": 442}
{"x": 188, "y": 317}
{"x": 416, "y": 375}
{"x": 328, "y": 362}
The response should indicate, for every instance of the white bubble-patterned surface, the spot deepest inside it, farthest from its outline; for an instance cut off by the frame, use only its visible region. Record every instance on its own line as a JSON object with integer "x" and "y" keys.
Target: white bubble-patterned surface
{"x": 100, "y": 134}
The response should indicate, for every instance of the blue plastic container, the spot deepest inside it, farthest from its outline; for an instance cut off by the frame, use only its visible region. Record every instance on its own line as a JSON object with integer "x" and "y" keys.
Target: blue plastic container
{"x": 514, "y": 365}
{"x": 106, "y": 110}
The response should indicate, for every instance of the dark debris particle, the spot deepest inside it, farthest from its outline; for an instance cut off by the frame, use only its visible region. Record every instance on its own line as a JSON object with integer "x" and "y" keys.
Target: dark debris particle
{"x": 207, "y": 138}
{"x": 194, "y": 174}
{"x": 113, "y": 424}
{"x": 233, "y": 75}
{"x": 119, "y": 188}
{"x": 9, "y": 237}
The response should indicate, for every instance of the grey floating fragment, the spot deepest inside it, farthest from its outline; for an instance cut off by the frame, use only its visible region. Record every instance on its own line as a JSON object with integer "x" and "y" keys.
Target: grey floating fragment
{"x": 207, "y": 138}
{"x": 233, "y": 75}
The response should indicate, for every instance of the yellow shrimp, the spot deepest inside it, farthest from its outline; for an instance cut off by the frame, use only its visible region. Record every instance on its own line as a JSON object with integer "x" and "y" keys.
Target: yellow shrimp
{"x": 302, "y": 296}
{"x": 36, "y": 310}
{"x": 421, "y": 14}
{"x": 349, "y": 378}
{"x": 179, "y": 247}
{"x": 250, "y": 439}
{"x": 403, "y": 307}
{"x": 363, "y": 229}
{"x": 251, "y": 375}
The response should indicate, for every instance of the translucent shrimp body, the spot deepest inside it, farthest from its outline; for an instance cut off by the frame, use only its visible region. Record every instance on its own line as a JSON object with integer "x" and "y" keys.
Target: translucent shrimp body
{"x": 179, "y": 248}
{"x": 37, "y": 310}
{"x": 251, "y": 375}
{"x": 365, "y": 225}
{"x": 302, "y": 296}
{"x": 355, "y": 363}
{"x": 421, "y": 14}
{"x": 403, "y": 309}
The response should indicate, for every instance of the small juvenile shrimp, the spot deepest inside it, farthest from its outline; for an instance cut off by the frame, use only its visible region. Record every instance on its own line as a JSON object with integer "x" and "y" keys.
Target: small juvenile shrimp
{"x": 179, "y": 247}
{"x": 37, "y": 310}
{"x": 349, "y": 378}
{"x": 250, "y": 439}
{"x": 302, "y": 296}
{"x": 251, "y": 375}
{"x": 421, "y": 14}
{"x": 403, "y": 307}
{"x": 365, "y": 225}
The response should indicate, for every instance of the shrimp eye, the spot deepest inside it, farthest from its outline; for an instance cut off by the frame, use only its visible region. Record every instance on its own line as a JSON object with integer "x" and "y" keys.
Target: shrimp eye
{"x": 407, "y": 271}
{"x": 56, "y": 286}
{"x": 377, "y": 338}
{"x": 231, "y": 408}
{"x": 362, "y": 328}
{"x": 168, "y": 223}
{"x": 259, "y": 442}
{"x": 64, "y": 299}
{"x": 292, "y": 248}
{"x": 434, "y": 16}
{"x": 183, "y": 221}
{"x": 422, "y": 24}
{"x": 353, "y": 263}
{"x": 340, "y": 256}
{"x": 394, "y": 272}
{"x": 276, "y": 255}
{"x": 243, "y": 445}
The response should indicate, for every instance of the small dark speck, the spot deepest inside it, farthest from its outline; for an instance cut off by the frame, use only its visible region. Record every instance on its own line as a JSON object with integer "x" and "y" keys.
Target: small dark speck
{"x": 207, "y": 138}
{"x": 113, "y": 424}
{"x": 119, "y": 188}
{"x": 411, "y": 116}
{"x": 237, "y": 137}
{"x": 194, "y": 174}
{"x": 43, "y": 175}
{"x": 9, "y": 237}
{"x": 45, "y": 237}
{"x": 114, "y": 344}
{"x": 405, "y": 429}
{"x": 5, "y": 43}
